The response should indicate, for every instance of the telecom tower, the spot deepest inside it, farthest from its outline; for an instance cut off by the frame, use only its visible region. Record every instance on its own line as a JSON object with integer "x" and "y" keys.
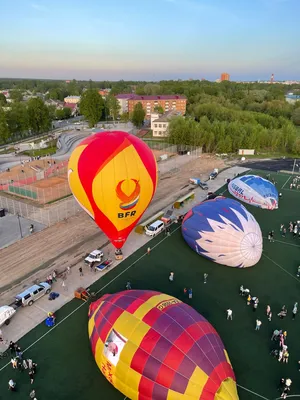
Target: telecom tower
{"x": 272, "y": 78}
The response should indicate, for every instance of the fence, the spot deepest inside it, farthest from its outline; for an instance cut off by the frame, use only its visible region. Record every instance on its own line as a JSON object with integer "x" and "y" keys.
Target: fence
{"x": 42, "y": 184}
{"x": 47, "y": 215}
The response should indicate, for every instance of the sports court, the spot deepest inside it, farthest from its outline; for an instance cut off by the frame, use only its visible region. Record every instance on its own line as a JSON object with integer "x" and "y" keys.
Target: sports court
{"x": 66, "y": 369}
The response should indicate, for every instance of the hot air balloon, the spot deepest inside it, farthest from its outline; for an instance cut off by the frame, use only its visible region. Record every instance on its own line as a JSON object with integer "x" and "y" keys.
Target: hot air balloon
{"x": 113, "y": 176}
{"x": 152, "y": 346}
{"x": 254, "y": 190}
{"x": 223, "y": 231}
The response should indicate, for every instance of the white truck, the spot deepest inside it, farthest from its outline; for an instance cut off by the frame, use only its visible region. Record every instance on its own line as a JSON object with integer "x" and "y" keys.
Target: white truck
{"x": 94, "y": 256}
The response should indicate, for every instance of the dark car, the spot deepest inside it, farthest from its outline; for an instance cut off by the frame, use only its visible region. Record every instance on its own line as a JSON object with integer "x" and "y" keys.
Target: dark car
{"x": 203, "y": 185}
{"x": 213, "y": 175}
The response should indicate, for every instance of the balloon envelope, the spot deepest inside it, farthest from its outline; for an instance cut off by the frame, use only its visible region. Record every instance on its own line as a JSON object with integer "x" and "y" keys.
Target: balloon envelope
{"x": 223, "y": 231}
{"x": 153, "y": 346}
{"x": 254, "y": 190}
{"x": 113, "y": 176}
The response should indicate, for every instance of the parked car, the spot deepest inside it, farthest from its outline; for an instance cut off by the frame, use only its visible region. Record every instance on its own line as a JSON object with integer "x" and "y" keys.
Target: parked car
{"x": 94, "y": 256}
{"x": 214, "y": 174}
{"x": 155, "y": 228}
{"x": 30, "y": 295}
{"x": 6, "y": 313}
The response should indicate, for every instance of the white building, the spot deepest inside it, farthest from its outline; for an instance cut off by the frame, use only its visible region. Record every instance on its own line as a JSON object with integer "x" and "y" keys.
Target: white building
{"x": 123, "y": 102}
{"x": 160, "y": 123}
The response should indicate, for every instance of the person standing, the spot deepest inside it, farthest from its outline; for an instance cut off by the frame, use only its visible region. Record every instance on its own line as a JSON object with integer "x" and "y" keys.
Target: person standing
{"x": 270, "y": 316}
{"x": 12, "y": 385}
{"x": 295, "y": 310}
{"x": 258, "y": 325}
{"x": 268, "y": 310}
{"x": 171, "y": 277}
{"x": 148, "y": 251}
{"x": 229, "y": 314}
{"x": 190, "y": 293}
{"x": 31, "y": 376}
{"x": 205, "y": 276}
{"x": 128, "y": 285}
{"x": 80, "y": 271}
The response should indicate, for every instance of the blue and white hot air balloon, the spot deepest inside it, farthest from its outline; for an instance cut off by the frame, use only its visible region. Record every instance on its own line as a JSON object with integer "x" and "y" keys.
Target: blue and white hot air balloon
{"x": 223, "y": 231}
{"x": 254, "y": 190}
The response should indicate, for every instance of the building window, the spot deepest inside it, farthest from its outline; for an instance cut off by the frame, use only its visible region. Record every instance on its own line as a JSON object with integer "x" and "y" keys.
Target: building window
{"x": 155, "y": 125}
{"x": 159, "y": 125}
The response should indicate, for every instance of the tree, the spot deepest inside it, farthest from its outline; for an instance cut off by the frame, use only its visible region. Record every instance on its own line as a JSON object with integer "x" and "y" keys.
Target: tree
{"x": 91, "y": 106}
{"x": 38, "y": 116}
{"x": 125, "y": 117}
{"x": 2, "y": 100}
{"x": 296, "y": 116}
{"x": 16, "y": 95}
{"x": 159, "y": 109}
{"x": 138, "y": 115}
{"x": 113, "y": 106}
{"x": 4, "y": 130}
{"x": 17, "y": 119}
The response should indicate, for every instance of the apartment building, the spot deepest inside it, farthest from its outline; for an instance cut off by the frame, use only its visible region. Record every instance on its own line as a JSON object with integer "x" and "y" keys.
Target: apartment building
{"x": 149, "y": 103}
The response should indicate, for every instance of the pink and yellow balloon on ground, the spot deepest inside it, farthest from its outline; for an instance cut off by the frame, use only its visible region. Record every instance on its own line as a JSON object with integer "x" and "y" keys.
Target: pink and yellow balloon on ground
{"x": 113, "y": 176}
{"x": 152, "y": 346}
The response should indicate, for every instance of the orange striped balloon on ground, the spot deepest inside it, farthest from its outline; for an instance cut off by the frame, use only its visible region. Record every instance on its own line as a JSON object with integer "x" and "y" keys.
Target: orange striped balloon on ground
{"x": 152, "y": 346}
{"x": 113, "y": 176}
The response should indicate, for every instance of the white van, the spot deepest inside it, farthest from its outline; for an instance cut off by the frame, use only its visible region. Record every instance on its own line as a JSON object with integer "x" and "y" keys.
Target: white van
{"x": 155, "y": 228}
{"x": 6, "y": 313}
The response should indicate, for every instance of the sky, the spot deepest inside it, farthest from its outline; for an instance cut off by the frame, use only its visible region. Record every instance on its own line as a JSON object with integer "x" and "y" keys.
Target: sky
{"x": 149, "y": 39}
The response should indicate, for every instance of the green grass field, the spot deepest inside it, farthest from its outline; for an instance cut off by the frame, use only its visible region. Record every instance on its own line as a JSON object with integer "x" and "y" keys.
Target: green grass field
{"x": 66, "y": 369}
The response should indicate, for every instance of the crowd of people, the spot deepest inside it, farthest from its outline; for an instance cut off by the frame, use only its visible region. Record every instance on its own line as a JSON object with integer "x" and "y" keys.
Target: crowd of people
{"x": 21, "y": 364}
{"x": 279, "y": 348}
{"x": 295, "y": 184}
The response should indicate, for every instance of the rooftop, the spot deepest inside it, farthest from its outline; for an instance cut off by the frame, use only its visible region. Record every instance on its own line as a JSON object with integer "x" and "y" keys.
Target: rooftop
{"x": 167, "y": 116}
{"x": 159, "y": 97}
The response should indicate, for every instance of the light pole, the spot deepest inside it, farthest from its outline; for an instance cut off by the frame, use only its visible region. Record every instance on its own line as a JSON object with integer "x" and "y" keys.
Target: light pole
{"x": 294, "y": 165}
{"x": 18, "y": 215}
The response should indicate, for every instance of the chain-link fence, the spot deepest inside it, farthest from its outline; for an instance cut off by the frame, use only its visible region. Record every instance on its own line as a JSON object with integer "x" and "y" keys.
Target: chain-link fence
{"x": 47, "y": 215}
{"x": 42, "y": 184}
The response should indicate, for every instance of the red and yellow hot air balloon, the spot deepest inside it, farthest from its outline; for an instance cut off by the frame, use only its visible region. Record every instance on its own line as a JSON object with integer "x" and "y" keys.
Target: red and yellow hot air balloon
{"x": 151, "y": 346}
{"x": 113, "y": 176}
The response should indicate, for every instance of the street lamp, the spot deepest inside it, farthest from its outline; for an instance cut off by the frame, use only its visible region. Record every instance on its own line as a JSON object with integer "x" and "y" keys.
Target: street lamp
{"x": 18, "y": 215}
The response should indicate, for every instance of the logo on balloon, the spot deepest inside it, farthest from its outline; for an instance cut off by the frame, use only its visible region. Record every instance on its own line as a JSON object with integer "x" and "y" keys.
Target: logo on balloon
{"x": 128, "y": 202}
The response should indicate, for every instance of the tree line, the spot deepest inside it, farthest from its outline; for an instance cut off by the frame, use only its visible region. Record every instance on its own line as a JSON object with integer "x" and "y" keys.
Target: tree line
{"x": 221, "y": 117}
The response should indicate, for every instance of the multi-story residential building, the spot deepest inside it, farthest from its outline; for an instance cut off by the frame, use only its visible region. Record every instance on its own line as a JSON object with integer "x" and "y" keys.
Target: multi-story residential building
{"x": 72, "y": 99}
{"x": 149, "y": 103}
{"x": 225, "y": 76}
{"x": 160, "y": 123}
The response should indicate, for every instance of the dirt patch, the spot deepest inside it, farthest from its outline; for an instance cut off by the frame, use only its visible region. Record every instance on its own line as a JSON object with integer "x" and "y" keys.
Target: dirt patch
{"x": 201, "y": 167}
{"x": 50, "y": 182}
{"x": 158, "y": 153}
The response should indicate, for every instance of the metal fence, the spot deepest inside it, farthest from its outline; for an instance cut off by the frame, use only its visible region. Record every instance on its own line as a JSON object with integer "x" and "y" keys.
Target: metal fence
{"x": 47, "y": 215}
{"x": 41, "y": 185}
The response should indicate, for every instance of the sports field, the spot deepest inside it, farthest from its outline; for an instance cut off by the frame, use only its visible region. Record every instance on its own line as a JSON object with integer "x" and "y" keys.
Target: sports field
{"x": 66, "y": 369}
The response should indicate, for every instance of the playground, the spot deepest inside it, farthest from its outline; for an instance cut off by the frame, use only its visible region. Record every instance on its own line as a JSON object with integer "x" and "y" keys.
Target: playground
{"x": 66, "y": 368}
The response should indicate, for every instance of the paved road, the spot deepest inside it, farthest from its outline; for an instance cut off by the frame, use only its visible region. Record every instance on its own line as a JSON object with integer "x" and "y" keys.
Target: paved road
{"x": 278, "y": 164}
{"x": 11, "y": 229}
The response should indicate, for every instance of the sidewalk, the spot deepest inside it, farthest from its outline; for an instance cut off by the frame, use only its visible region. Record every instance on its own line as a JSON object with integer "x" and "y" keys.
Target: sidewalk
{"x": 27, "y": 318}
